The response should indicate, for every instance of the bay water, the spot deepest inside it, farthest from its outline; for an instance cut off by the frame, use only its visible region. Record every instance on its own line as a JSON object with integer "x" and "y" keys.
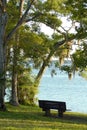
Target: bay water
{"x": 60, "y": 88}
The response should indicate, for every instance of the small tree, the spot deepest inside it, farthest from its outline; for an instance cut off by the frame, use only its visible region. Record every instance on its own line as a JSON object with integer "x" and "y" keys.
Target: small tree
{"x": 26, "y": 90}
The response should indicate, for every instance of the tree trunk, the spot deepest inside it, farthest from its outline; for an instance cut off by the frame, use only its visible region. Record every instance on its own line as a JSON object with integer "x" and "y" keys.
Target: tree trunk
{"x": 43, "y": 67}
{"x": 3, "y": 21}
{"x": 14, "y": 96}
{"x": 47, "y": 60}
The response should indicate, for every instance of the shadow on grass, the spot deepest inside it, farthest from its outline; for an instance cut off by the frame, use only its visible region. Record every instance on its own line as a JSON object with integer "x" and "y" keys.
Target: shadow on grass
{"x": 34, "y": 113}
{"x": 75, "y": 118}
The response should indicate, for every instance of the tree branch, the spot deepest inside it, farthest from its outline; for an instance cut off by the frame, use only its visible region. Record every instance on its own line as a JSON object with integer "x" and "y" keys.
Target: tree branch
{"x": 30, "y": 19}
{"x": 64, "y": 34}
{"x": 62, "y": 42}
{"x": 21, "y": 7}
{"x": 20, "y": 22}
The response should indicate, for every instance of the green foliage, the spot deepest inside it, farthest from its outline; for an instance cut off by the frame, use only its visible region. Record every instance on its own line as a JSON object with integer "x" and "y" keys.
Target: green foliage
{"x": 26, "y": 89}
{"x": 77, "y": 7}
{"x": 80, "y": 60}
{"x": 80, "y": 57}
{"x": 56, "y": 5}
{"x": 13, "y": 11}
{"x": 35, "y": 46}
{"x": 84, "y": 73}
{"x": 78, "y": 12}
{"x": 52, "y": 21}
{"x": 50, "y": 12}
{"x": 66, "y": 68}
{"x": 27, "y": 95}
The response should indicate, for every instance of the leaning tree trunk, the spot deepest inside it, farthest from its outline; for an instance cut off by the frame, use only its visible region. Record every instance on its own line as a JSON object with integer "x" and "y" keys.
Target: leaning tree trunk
{"x": 47, "y": 60}
{"x": 3, "y": 21}
{"x": 43, "y": 67}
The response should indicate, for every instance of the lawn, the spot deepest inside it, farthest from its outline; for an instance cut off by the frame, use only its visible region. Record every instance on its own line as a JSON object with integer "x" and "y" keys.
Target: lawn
{"x": 32, "y": 118}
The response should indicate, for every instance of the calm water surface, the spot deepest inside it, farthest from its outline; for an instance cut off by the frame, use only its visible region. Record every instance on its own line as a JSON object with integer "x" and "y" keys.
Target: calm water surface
{"x": 60, "y": 88}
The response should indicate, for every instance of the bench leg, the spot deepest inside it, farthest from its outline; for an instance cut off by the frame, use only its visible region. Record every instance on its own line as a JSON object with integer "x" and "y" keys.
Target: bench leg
{"x": 47, "y": 112}
{"x": 60, "y": 113}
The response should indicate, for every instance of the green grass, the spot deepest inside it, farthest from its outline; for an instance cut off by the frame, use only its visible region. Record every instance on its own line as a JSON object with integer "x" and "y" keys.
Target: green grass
{"x": 31, "y": 118}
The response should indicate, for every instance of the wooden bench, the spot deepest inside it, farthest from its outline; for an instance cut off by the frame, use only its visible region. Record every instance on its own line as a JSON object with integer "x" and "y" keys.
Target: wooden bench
{"x": 47, "y": 105}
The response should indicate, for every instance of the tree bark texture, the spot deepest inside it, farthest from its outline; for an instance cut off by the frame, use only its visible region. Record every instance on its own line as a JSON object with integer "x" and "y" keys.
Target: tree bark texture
{"x": 14, "y": 97}
{"x": 3, "y": 21}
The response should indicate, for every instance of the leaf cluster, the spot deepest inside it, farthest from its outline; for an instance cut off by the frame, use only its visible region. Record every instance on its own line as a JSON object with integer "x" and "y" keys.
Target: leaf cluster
{"x": 80, "y": 57}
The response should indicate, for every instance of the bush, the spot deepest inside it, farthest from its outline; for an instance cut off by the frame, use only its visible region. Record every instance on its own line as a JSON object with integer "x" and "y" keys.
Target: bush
{"x": 27, "y": 94}
{"x": 26, "y": 89}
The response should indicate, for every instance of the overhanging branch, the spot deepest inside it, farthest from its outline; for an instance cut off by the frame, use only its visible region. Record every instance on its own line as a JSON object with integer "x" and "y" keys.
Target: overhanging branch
{"x": 20, "y": 22}
{"x": 34, "y": 17}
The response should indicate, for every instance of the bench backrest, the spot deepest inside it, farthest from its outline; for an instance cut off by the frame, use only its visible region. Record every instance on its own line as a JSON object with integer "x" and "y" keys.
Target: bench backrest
{"x": 45, "y": 104}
